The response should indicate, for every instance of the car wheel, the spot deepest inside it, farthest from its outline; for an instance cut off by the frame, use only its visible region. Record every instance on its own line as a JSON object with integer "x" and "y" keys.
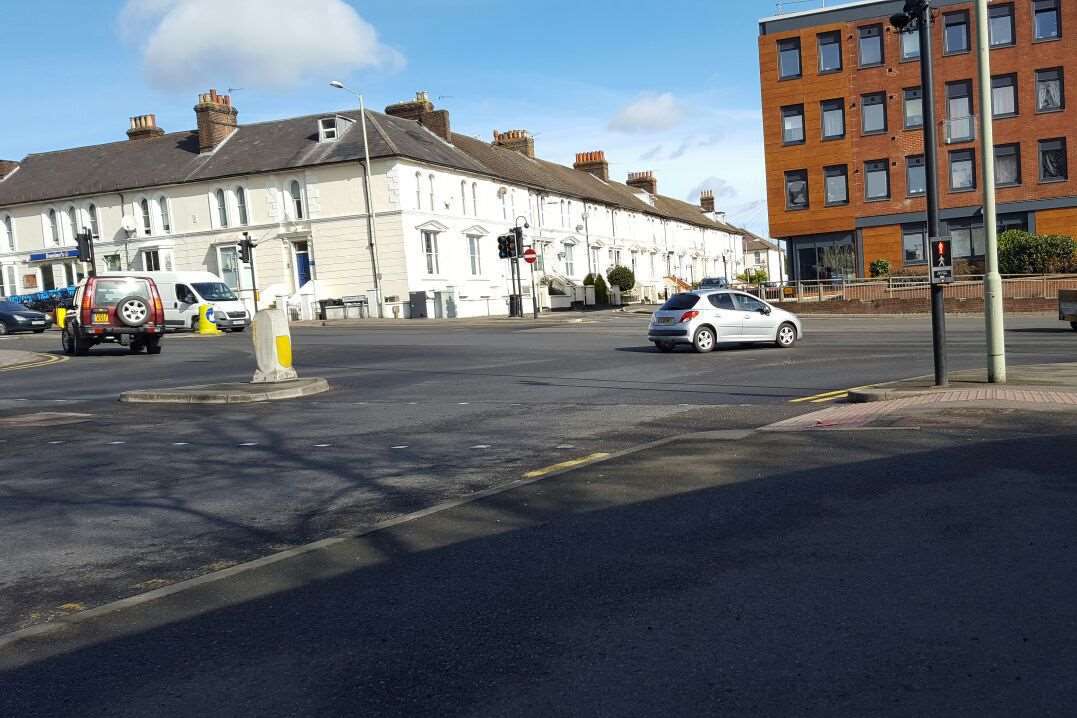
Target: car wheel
{"x": 153, "y": 345}
{"x": 74, "y": 344}
{"x": 1074, "y": 325}
{"x": 39, "y": 331}
{"x": 3, "y": 329}
{"x": 238, "y": 330}
{"x": 787, "y": 336}
{"x": 704, "y": 340}
{"x": 664, "y": 347}
{"x": 133, "y": 311}
{"x": 136, "y": 346}
{"x": 67, "y": 342}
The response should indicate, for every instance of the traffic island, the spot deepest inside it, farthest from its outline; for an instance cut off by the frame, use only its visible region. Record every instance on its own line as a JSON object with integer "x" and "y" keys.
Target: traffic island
{"x": 228, "y": 393}
{"x": 1046, "y": 383}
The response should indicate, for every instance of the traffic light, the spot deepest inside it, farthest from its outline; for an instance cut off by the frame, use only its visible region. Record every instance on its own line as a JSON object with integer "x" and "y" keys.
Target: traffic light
{"x": 517, "y": 241}
{"x": 245, "y": 246}
{"x": 941, "y": 255}
{"x": 506, "y": 245}
{"x": 84, "y": 241}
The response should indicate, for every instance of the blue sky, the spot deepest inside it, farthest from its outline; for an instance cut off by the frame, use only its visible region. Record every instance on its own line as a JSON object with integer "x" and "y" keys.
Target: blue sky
{"x": 671, "y": 87}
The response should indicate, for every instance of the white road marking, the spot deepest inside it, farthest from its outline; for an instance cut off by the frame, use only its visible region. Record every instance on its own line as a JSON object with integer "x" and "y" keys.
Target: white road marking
{"x": 181, "y": 443}
{"x": 322, "y": 446}
{"x": 462, "y": 403}
{"x": 481, "y": 446}
{"x": 249, "y": 443}
{"x": 401, "y": 447}
{"x": 565, "y": 446}
{"x": 56, "y": 442}
{"x": 117, "y": 443}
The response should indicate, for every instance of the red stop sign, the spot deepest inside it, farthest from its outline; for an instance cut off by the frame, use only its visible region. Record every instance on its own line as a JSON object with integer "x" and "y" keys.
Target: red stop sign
{"x": 530, "y": 255}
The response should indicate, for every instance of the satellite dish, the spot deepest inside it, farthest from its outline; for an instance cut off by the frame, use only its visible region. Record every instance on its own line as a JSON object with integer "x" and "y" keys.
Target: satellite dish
{"x": 128, "y": 224}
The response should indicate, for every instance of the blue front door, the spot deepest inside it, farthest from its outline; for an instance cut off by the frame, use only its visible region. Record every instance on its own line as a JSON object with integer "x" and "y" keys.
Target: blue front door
{"x": 302, "y": 263}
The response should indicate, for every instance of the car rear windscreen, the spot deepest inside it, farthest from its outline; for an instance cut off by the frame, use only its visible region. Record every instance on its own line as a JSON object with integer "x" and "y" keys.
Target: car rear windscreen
{"x": 110, "y": 290}
{"x": 680, "y": 302}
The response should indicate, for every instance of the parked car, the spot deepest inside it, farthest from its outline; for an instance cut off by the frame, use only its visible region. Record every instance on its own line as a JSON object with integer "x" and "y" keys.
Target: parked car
{"x": 1067, "y": 307}
{"x": 125, "y": 310}
{"x": 184, "y": 292}
{"x": 18, "y": 318}
{"x": 714, "y": 283}
{"x": 704, "y": 318}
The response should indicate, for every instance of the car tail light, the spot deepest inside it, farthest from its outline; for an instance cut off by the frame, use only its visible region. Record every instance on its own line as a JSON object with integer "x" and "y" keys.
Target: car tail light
{"x": 158, "y": 307}
{"x": 87, "y": 304}
{"x": 688, "y": 316}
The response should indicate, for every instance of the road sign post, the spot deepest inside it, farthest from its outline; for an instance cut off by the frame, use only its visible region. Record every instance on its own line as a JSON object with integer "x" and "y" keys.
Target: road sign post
{"x": 531, "y": 256}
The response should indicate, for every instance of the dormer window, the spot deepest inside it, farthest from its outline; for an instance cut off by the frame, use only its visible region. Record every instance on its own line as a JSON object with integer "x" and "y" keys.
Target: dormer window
{"x": 331, "y": 128}
{"x": 327, "y": 129}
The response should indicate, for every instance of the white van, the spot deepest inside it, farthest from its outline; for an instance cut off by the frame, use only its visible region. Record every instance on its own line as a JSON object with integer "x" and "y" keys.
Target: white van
{"x": 183, "y": 292}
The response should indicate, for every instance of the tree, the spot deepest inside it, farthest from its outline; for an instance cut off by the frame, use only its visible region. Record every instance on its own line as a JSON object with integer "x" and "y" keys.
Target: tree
{"x": 623, "y": 278}
{"x": 602, "y": 292}
{"x": 753, "y": 276}
{"x": 880, "y": 268}
{"x": 1021, "y": 252}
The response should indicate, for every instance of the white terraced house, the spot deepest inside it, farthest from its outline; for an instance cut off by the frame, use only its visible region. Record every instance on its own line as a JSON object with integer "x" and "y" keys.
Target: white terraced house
{"x": 183, "y": 200}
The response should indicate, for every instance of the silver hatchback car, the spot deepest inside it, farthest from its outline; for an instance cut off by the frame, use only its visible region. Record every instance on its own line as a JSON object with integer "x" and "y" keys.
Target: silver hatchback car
{"x": 706, "y": 318}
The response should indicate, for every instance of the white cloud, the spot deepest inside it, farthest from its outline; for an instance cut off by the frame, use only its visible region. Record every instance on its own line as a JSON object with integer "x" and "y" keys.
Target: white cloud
{"x": 251, "y": 43}
{"x": 649, "y": 113}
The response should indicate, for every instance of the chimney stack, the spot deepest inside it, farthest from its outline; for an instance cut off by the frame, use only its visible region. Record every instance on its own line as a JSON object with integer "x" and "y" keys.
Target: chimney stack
{"x": 216, "y": 120}
{"x": 517, "y": 140}
{"x": 706, "y": 200}
{"x": 143, "y": 127}
{"x": 6, "y": 168}
{"x": 593, "y": 163}
{"x": 645, "y": 181}
{"x": 421, "y": 110}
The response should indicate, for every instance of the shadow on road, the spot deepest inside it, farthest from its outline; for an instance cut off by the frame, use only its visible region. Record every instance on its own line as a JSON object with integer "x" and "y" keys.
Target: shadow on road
{"x": 682, "y": 581}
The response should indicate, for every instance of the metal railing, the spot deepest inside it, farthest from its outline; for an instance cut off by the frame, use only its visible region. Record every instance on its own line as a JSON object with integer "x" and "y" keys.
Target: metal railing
{"x": 1038, "y": 286}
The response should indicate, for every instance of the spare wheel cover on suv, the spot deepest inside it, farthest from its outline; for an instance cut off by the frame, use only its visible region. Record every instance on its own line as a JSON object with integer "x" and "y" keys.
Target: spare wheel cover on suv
{"x": 133, "y": 311}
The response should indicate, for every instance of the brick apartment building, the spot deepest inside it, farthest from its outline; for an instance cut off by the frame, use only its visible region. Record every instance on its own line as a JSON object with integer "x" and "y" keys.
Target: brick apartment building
{"x": 842, "y": 116}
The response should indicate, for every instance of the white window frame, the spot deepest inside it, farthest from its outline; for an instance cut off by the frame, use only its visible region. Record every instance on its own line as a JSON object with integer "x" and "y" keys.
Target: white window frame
{"x": 219, "y": 204}
{"x": 143, "y": 254}
{"x": 327, "y": 129}
{"x": 298, "y": 207}
{"x": 428, "y": 244}
{"x": 569, "y": 262}
{"x": 164, "y": 214}
{"x": 418, "y": 190}
{"x": 7, "y": 226}
{"x": 52, "y": 224}
{"x": 463, "y": 197}
{"x": 243, "y": 204}
{"x": 474, "y": 254}
{"x": 433, "y": 191}
{"x": 475, "y": 198}
{"x": 94, "y": 219}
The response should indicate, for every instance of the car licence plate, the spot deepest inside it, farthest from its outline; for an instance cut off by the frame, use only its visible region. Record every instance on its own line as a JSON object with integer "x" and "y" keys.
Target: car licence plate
{"x": 37, "y": 323}
{"x": 664, "y": 320}
{"x": 100, "y": 318}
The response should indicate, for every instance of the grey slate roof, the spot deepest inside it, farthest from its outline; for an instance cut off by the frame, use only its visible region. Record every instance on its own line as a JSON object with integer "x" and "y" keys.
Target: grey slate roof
{"x": 293, "y": 143}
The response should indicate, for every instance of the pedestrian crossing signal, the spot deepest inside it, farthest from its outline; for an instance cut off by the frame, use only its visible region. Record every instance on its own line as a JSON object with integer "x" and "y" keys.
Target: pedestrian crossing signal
{"x": 941, "y": 253}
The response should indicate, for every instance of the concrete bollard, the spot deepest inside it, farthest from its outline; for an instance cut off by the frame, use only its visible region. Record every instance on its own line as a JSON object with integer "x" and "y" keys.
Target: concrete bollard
{"x": 206, "y": 325}
{"x": 272, "y": 339}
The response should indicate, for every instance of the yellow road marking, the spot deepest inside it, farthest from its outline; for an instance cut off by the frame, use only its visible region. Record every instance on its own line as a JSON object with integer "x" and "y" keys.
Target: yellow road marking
{"x": 843, "y": 395}
{"x": 565, "y": 465}
{"x": 33, "y": 365}
{"x": 816, "y": 397}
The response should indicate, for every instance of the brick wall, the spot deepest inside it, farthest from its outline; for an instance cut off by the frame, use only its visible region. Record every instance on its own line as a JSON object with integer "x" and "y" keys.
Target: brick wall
{"x": 918, "y": 306}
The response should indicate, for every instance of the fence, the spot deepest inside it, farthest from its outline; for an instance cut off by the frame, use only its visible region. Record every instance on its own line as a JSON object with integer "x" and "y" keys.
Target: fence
{"x": 963, "y": 287}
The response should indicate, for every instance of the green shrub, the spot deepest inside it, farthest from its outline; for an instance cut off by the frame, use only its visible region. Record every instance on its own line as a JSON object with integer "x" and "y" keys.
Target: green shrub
{"x": 589, "y": 280}
{"x": 622, "y": 277}
{"x": 602, "y": 292}
{"x": 1021, "y": 252}
{"x": 880, "y": 268}
{"x": 753, "y": 276}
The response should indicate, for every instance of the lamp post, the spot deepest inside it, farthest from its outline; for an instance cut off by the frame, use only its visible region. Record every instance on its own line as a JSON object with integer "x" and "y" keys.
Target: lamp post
{"x": 993, "y": 313}
{"x": 917, "y": 15}
{"x": 371, "y": 217}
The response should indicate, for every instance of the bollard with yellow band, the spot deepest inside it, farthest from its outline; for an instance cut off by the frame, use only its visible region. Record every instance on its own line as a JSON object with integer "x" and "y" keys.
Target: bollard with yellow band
{"x": 60, "y": 316}
{"x": 206, "y": 325}
{"x": 272, "y": 339}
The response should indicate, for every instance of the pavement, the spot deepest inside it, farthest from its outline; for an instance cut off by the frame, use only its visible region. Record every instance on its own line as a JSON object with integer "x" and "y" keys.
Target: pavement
{"x": 16, "y": 359}
{"x": 1055, "y": 383}
{"x": 919, "y": 563}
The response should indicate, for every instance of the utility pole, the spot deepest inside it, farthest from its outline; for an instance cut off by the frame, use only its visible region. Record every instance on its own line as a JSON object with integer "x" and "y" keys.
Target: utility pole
{"x": 993, "y": 313}
{"x": 918, "y": 13}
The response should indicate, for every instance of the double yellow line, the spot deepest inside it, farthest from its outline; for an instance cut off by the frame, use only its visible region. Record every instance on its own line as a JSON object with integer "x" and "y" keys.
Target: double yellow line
{"x": 46, "y": 360}
{"x": 825, "y": 396}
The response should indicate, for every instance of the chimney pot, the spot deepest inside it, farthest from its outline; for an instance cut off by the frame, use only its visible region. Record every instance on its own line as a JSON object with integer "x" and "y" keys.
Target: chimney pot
{"x": 517, "y": 140}
{"x": 706, "y": 200}
{"x": 216, "y": 120}
{"x": 643, "y": 180}
{"x": 144, "y": 127}
{"x": 593, "y": 163}
{"x": 421, "y": 110}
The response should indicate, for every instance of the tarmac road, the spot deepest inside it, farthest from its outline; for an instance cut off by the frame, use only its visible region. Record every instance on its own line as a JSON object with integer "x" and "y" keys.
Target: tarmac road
{"x": 127, "y": 498}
